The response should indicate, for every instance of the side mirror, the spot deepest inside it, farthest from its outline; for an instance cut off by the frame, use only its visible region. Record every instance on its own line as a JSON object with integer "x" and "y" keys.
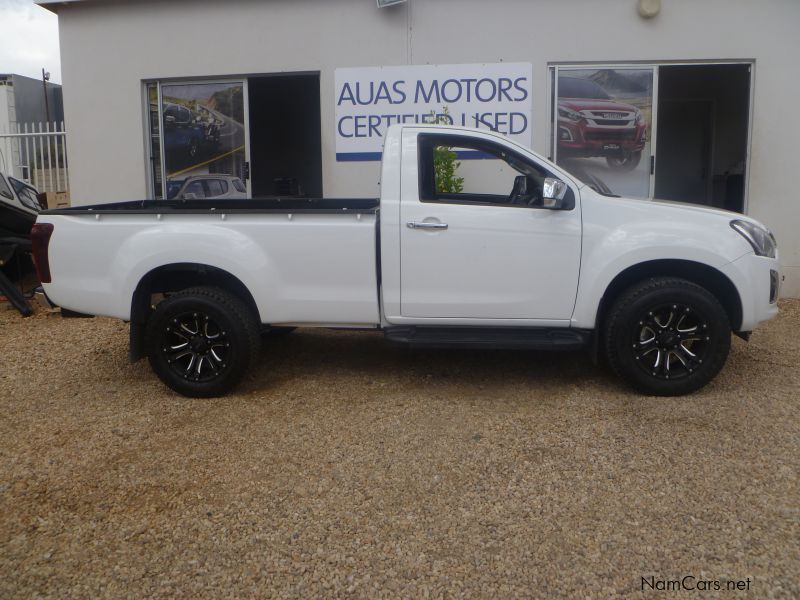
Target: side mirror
{"x": 169, "y": 120}
{"x": 554, "y": 192}
{"x": 189, "y": 196}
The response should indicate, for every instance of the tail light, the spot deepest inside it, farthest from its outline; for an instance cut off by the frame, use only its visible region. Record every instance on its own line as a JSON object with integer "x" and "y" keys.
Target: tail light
{"x": 40, "y": 240}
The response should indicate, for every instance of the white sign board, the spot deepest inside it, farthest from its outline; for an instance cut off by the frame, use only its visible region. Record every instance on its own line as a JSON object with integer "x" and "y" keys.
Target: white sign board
{"x": 495, "y": 96}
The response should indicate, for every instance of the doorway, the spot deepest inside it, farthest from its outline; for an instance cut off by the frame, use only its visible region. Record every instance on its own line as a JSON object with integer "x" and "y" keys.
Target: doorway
{"x": 285, "y": 135}
{"x": 702, "y": 125}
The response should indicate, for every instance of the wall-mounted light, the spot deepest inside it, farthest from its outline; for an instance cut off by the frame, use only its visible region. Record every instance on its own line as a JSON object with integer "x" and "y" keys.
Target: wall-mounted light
{"x": 649, "y": 8}
{"x": 385, "y": 3}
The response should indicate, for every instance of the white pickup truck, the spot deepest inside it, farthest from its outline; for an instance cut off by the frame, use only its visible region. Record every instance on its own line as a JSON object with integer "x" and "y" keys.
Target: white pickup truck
{"x": 508, "y": 251}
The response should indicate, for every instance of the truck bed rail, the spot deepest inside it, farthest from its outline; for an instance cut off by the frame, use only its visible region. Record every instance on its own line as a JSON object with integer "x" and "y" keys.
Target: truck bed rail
{"x": 255, "y": 205}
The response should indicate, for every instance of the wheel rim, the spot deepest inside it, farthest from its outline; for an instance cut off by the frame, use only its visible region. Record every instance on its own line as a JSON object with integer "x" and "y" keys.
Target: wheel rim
{"x": 195, "y": 346}
{"x": 671, "y": 341}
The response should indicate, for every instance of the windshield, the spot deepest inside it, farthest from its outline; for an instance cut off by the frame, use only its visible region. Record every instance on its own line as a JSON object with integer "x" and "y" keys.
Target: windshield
{"x": 593, "y": 181}
{"x": 572, "y": 87}
{"x": 5, "y": 191}
{"x": 26, "y": 194}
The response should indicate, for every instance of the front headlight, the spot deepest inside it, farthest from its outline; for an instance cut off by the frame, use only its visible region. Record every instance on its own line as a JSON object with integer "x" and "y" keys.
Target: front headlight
{"x": 569, "y": 114}
{"x": 760, "y": 238}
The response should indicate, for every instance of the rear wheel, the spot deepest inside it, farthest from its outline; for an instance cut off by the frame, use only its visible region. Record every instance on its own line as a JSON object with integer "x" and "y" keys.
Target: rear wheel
{"x": 667, "y": 336}
{"x": 201, "y": 341}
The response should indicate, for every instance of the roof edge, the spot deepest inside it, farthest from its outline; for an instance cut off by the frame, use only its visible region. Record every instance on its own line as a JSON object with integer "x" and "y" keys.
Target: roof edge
{"x": 54, "y": 5}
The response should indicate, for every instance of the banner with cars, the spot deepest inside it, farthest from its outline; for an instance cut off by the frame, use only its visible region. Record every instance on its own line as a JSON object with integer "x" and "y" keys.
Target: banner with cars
{"x": 603, "y": 125}
{"x": 203, "y": 139}
{"x": 495, "y": 96}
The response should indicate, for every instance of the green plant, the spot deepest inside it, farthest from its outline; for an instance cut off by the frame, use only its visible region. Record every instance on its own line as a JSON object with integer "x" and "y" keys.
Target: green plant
{"x": 445, "y": 161}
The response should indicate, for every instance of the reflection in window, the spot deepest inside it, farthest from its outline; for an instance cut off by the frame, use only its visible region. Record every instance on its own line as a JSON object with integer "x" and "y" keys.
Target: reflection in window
{"x": 195, "y": 189}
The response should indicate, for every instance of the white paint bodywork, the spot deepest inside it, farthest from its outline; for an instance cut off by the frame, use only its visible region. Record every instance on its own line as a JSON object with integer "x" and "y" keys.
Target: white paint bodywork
{"x": 493, "y": 266}
{"x": 300, "y": 269}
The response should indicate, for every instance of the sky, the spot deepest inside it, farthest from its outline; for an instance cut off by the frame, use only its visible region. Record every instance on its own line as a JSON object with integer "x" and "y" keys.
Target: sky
{"x": 28, "y": 40}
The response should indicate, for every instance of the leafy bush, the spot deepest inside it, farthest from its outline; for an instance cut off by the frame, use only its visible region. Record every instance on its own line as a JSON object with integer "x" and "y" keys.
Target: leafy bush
{"x": 445, "y": 162}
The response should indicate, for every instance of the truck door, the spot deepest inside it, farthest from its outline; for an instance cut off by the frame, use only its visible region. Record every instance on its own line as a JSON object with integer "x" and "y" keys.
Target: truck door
{"x": 476, "y": 241}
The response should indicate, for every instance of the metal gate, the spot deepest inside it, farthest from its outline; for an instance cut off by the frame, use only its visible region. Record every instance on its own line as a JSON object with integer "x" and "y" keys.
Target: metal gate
{"x": 37, "y": 154}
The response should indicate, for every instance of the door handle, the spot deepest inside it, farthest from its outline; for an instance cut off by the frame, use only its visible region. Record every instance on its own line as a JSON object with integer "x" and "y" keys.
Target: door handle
{"x": 423, "y": 225}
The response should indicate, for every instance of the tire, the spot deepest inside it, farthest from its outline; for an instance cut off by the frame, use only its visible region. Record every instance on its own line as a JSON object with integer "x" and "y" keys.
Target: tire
{"x": 625, "y": 162}
{"x": 201, "y": 341}
{"x": 667, "y": 336}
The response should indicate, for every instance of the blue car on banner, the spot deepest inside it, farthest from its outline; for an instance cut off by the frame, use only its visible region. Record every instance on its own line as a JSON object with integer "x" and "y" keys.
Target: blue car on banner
{"x": 183, "y": 135}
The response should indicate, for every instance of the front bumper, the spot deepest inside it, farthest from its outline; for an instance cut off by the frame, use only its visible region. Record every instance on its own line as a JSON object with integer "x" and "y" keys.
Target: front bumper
{"x": 757, "y": 279}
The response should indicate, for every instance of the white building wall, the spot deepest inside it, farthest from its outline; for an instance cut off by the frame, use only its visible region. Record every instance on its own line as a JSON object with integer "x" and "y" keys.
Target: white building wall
{"x": 109, "y": 48}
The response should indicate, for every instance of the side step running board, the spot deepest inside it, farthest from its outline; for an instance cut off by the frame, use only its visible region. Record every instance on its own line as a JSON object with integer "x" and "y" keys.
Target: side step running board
{"x": 528, "y": 338}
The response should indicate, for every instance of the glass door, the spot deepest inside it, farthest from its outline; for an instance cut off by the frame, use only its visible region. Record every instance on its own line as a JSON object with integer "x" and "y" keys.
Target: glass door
{"x": 603, "y": 126}
{"x": 198, "y": 139}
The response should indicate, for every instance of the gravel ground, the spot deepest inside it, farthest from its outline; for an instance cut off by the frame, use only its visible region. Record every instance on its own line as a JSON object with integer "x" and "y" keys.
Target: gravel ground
{"x": 345, "y": 466}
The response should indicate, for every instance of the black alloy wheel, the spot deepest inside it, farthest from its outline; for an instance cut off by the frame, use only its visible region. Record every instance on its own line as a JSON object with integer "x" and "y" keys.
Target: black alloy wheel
{"x": 667, "y": 336}
{"x": 195, "y": 346}
{"x": 671, "y": 341}
{"x": 201, "y": 341}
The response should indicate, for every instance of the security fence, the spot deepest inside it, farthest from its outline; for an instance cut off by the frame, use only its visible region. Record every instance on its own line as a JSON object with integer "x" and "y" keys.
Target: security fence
{"x": 37, "y": 154}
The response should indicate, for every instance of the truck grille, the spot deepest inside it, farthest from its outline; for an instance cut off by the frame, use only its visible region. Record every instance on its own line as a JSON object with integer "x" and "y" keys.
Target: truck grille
{"x": 602, "y": 117}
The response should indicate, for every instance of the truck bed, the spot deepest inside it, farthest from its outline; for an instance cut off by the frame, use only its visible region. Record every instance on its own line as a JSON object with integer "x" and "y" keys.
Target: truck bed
{"x": 305, "y": 261}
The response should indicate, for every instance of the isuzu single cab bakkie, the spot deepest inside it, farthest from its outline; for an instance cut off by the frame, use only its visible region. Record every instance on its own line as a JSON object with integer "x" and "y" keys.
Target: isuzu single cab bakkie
{"x": 508, "y": 251}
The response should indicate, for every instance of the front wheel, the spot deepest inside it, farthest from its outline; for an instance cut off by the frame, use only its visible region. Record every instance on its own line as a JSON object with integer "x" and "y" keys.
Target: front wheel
{"x": 667, "y": 336}
{"x": 201, "y": 341}
{"x": 624, "y": 162}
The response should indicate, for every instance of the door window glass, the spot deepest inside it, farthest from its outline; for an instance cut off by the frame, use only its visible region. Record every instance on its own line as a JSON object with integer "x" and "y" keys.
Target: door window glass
{"x": 457, "y": 169}
{"x": 215, "y": 188}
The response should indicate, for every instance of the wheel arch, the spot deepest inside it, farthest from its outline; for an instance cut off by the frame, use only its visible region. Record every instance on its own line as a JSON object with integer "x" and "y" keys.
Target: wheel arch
{"x": 713, "y": 280}
{"x": 173, "y": 278}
